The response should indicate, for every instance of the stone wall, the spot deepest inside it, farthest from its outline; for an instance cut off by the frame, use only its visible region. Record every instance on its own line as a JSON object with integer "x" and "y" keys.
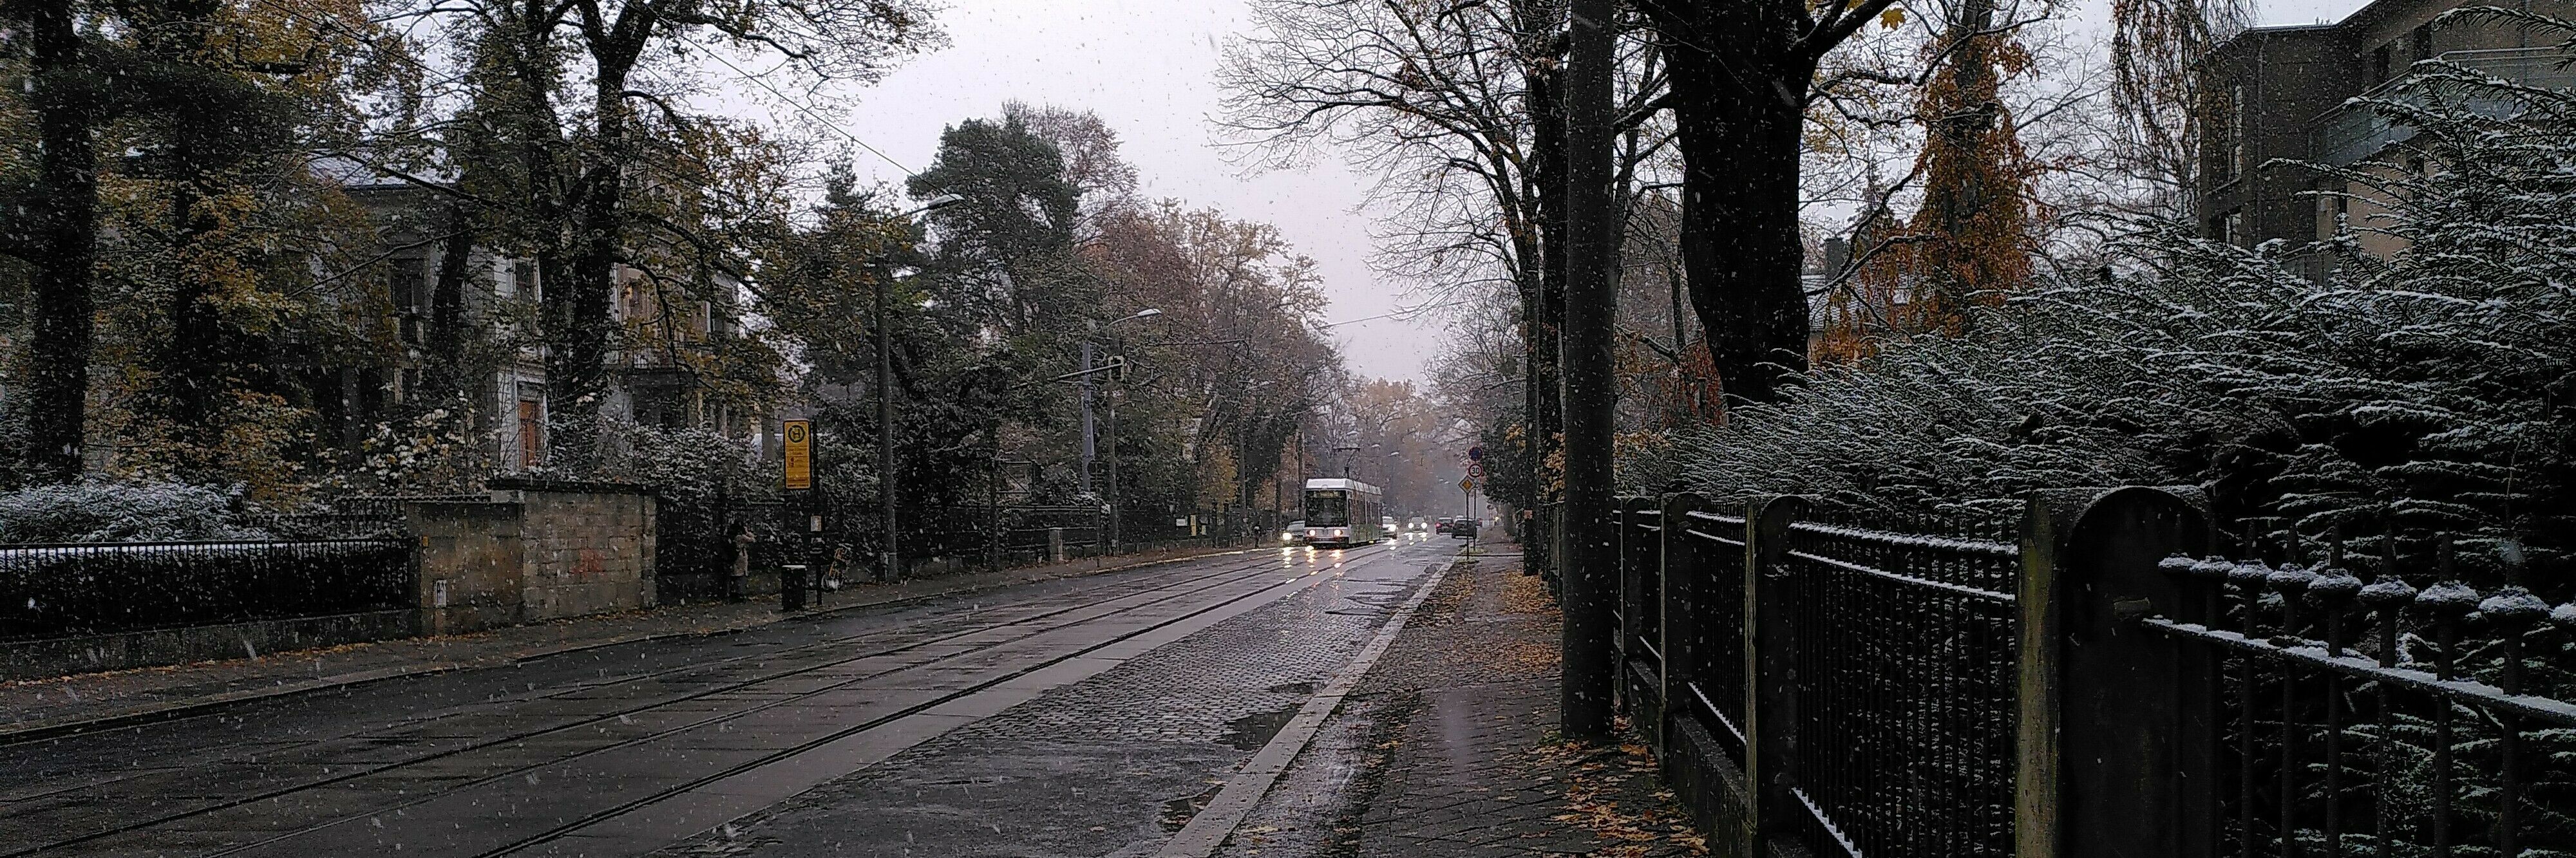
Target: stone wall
{"x": 471, "y": 564}
{"x": 539, "y": 550}
{"x": 587, "y": 552}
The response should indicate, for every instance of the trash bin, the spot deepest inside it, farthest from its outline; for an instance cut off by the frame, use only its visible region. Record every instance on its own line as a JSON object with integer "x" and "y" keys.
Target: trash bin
{"x": 792, "y": 581}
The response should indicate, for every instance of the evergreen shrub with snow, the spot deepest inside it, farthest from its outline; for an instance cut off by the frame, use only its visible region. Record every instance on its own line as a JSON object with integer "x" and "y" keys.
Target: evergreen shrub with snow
{"x": 2426, "y": 392}
{"x": 128, "y": 511}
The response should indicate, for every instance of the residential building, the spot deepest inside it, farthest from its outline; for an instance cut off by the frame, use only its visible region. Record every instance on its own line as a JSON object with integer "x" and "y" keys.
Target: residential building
{"x": 655, "y": 369}
{"x": 2288, "y": 94}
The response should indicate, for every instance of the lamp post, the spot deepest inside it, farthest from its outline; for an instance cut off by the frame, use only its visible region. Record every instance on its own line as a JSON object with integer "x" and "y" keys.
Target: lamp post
{"x": 1087, "y": 443}
{"x": 1089, "y": 449}
{"x": 890, "y": 557}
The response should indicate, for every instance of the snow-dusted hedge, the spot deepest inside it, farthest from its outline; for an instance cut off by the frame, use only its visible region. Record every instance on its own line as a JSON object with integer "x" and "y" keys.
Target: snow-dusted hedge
{"x": 126, "y": 511}
{"x": 2430, "y": 391}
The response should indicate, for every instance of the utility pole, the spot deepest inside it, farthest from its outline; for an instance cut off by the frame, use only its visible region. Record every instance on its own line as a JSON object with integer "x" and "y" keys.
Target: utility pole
{"x": 1083, "y": 483}
{"x": 889, "y": 558}
{"x": 1587, "y": 570}
{"x": 1113, "y": 473}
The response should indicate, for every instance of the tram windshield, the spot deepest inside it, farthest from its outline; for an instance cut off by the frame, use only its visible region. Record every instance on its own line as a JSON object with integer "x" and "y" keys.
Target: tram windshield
{"x": 1327, "y": 509}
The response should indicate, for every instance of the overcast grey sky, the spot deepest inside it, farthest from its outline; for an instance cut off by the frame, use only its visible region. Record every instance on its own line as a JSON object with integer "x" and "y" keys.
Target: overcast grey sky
{"x": 1146, "y": 66}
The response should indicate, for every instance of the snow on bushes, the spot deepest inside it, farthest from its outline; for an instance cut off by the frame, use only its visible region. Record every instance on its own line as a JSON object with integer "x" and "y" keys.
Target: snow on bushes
{"x": 137, "y": 511}
{"x": 2429, "y": 391}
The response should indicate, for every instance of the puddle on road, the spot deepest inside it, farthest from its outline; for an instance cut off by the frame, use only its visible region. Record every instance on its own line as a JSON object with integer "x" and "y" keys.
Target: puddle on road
{"x": 1250, "y": 732}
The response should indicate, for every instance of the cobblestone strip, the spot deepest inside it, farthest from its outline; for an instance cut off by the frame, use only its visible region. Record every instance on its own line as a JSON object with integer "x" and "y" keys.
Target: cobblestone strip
{"x": 1208, "y": 829}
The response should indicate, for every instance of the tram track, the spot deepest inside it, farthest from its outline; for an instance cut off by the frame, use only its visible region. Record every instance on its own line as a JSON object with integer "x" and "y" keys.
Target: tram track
{"x": 567, "y": 690}
{"x": 1156, "y": 594}
{"x": 571, "y": 689}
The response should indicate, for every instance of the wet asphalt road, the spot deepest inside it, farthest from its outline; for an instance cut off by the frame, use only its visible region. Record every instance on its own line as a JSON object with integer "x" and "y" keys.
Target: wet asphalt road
{"x": 1086, "y": 716}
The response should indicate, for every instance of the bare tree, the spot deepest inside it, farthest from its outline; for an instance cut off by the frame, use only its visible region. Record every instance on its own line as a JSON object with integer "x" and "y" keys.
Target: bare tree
{"x": 1457, "y": 109}
{"x": 2157, "y": 47}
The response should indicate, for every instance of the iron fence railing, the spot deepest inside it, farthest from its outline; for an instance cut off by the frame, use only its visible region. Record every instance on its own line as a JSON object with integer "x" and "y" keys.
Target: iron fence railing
{"x": 57, "y": 590}
{"x": 2412, "y": 715}
{"x": 1904, "y": 694}
{"x": 1884, "y": 659}
{"x": 2089, "y": 681}
{"x": 350, "y": 516}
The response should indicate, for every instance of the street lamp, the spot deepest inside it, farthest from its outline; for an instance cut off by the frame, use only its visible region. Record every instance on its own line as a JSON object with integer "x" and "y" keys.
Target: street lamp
{"x": 1087, "y": 443}
{"x": 890, "y": 557}
{"x": 1090, "y": 449}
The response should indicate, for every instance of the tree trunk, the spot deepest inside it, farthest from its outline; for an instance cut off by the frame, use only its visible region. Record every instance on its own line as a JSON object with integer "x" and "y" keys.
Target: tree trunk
{"x": 1547, "y": 312}
{"x": 193, "y": 362}
{"x": 1589, "y": 573}
{"x": 577, "y": 373}
{"x": 1740, "y": 245}
{"x": 444, "y": 378}
{"x": 65, "y": 210}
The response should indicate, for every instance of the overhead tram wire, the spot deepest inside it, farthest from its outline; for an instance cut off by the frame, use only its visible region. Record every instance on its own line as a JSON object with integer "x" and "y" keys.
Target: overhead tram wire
{"x": 800, "y": 108}
{"x": 1416, "y": 311}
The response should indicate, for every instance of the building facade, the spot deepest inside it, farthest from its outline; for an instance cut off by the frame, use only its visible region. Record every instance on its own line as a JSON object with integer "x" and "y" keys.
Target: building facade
{"x": 2289, "y": 94}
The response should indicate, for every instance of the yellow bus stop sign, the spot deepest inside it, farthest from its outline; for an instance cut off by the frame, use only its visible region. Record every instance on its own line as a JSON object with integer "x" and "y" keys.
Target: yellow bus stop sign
{"x": 799, "y": 435}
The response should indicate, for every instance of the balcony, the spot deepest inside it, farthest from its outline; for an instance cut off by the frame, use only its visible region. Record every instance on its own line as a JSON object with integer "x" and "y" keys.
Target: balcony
{"x": 2353, "y": 131}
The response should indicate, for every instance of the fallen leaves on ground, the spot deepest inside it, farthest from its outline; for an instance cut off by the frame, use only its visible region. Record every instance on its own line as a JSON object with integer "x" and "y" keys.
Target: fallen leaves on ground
{"x": 1600, "y": 800}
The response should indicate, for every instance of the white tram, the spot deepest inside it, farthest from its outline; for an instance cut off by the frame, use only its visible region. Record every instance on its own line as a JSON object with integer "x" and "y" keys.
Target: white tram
{"x": 1343, "y": 512}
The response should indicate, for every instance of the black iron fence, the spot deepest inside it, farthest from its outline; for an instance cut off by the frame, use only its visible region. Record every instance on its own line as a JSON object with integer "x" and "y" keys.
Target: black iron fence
{"x": 2088, "y": 681}
{"x": 1885, "y": 657}
{"x": 1018, "y": 533}
{"x": 57, "y": 590}
{"x": 350, "y": 517}
{"x": 2411, "y": 715}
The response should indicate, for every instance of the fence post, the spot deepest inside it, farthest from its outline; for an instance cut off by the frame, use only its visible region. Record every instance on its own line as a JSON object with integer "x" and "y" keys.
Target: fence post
{"x": 1632, "y": 617}
{"x": 1770, "y": 670}
{"x": 1677, "y": 598}
{"x": 2111, "y": 737}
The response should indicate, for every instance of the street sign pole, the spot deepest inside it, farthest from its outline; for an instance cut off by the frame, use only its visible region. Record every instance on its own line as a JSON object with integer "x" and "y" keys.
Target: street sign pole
{"x": 797, "y": 477}
{"x": 1475, "y": 474}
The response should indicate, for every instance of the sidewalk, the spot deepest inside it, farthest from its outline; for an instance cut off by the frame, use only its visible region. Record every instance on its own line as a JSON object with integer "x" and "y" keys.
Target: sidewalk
{"x": 1449, "y": 748}
{"x": 31, "y": 709}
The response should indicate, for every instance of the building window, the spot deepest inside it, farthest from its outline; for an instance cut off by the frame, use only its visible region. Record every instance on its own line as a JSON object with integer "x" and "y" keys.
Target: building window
{"x": 532, "y": 432}
{"x": 2244, "y": 125}
{"x": 2422, "y": 41}
{"x": 523, "y": 280}
{"x": 2223, "y": 149}
{"x": 407, "y": 284}
{"x": 2379, "y": 65}
{"x": 2231, "y": 228}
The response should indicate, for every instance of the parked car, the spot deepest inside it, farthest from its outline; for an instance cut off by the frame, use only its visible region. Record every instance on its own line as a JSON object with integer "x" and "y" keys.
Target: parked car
{"x": 1464, "y": 528}
{"x": 1293, "y": 533}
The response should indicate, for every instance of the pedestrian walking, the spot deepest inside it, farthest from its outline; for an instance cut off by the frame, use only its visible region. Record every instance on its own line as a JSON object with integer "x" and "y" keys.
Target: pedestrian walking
{"x": 738, "y": 583}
